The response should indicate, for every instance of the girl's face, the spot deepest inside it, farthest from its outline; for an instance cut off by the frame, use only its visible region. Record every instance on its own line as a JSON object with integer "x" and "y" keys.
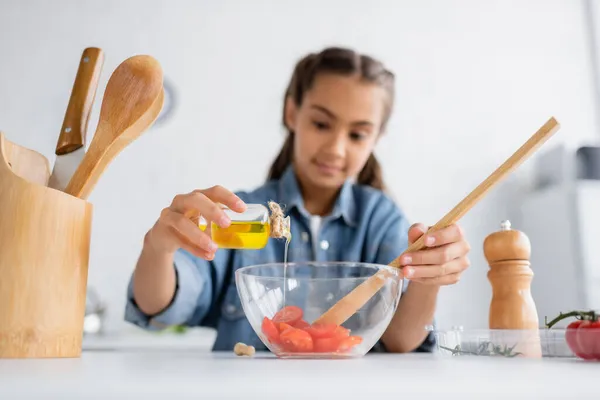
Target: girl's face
{"x": 336, "y": 128}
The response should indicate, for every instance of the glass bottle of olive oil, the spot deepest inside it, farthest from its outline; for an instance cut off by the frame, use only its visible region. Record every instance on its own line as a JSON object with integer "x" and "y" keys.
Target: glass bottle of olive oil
{"x": 250, "y": 229}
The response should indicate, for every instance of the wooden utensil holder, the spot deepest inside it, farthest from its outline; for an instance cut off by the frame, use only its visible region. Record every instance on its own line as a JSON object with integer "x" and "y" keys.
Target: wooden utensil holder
{"x": 44, "y": 255}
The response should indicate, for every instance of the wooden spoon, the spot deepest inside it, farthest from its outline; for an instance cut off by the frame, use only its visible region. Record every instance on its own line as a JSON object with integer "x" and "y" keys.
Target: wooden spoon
{"x": 353, "y": 301}
{"x": 132, "y": 100}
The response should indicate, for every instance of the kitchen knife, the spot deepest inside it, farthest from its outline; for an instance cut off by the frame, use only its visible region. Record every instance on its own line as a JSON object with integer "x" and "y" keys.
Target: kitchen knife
{"x": 70, "y": 147}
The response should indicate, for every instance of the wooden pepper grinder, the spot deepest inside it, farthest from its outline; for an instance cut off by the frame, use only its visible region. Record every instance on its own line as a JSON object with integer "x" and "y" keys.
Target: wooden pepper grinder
{"x": 508, "y": 252}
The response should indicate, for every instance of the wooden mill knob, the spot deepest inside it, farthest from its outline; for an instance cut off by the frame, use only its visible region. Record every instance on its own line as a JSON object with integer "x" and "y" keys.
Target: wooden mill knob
{"x": 506, "y": 244}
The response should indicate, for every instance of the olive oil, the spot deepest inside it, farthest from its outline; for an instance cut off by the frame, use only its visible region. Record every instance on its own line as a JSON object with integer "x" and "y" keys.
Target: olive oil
{"x": 248, "y": 235}
{"x": 288, "y": 238}
{"x": 251, "y": 229}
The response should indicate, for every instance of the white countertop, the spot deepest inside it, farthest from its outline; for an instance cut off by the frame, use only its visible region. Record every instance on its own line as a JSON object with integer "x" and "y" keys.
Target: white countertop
{"x": 174, "y": 368}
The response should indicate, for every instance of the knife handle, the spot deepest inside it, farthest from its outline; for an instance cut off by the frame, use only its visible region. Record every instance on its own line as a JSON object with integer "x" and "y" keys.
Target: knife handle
{"x": 74, "y": 128}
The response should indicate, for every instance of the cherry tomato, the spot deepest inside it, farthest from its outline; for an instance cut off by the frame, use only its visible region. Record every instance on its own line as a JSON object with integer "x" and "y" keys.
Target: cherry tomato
{"x": 583, "y": 337}
{"x": 296, "y": 340}
{"x": 326, "y": 345}
{"x": 289, "y": 314}
{"x": 302, "y": 324}
{"x": 340, "y": 331}
{"x": 571, "y": 338}
{"x": 349, "y": 342}
{"x": 290, "y": 332}
{"x": 318, "y": 331}
{"x": 328, "y": 338}
{"x": 270, "y": 330}
{"x": 283, "y": 327}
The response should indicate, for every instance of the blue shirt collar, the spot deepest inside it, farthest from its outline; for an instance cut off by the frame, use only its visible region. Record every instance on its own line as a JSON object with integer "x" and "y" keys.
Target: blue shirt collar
{"x": 291, "y": 197}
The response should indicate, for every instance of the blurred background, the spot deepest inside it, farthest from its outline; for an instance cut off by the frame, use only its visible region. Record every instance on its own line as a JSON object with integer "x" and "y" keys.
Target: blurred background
{"x": 475, "y": 79}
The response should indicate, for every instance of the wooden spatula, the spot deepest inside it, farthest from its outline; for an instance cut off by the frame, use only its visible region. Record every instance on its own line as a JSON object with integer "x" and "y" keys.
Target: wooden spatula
{"x": 132, "y": 100}
{"x": 353, "y": 301}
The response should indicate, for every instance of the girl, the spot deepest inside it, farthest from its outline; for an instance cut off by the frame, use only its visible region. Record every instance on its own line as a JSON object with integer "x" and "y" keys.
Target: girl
{"x": 335, "y": 108}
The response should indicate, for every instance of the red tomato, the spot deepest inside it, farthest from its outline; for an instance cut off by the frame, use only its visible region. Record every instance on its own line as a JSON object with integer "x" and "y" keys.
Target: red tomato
{"x": 270, "y": 330}
{"x": 571, "y": 338}
{"x": 583, "y": 337}
{"x": 329, "y": 338}
{"x": 340, "y": 331}
{"x": 326, "y": 345}
{"x": 292, "y": 333}
{"x": 289, "y": 314}
{"x": 349, "y": 342}
{"x": 296, "y": 340}
{"x": 318, "y": 331}
{"x": 283, "y": 327}
{"x": 302, "y": 324}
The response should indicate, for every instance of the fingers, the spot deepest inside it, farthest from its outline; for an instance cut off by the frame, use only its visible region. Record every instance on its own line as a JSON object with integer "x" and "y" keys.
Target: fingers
{"x": 443, "y": 259}
{"x": 415, "y": 232}
{"x": 436, "y": 255}
{"x": 450, "y": 234}
{"x": 419, "y": 272}
{"x": 189, "y": 237}
{"x": 224, "y": 196}
{"x": 210, "y": 210}
{"x": 178, "y": 224}
{"x": 181, "y": 219}
{"x": 205, "y": 203}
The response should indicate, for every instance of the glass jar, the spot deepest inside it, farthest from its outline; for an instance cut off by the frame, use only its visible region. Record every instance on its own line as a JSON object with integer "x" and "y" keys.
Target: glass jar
{"x": 250, "y": 229}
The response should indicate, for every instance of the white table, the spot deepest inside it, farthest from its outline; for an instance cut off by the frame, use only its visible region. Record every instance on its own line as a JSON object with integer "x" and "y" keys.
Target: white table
{"x": 181, "y": 372}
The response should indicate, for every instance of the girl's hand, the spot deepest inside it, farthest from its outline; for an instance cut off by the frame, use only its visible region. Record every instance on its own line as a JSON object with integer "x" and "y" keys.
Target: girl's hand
{"x": 177, "y": 227}
{"x": 442, "y": 261}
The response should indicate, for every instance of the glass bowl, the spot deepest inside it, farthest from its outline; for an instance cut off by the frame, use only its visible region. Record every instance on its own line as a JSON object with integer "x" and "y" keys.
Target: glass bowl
{"x": 282, "y": 301}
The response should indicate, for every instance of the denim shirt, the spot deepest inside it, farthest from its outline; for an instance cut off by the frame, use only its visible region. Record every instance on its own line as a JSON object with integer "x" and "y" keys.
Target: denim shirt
{"x": 364, "y": 226}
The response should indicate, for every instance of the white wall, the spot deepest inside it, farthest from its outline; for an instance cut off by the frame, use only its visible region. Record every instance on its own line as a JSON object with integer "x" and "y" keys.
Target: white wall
{"x": 474, "y": 79}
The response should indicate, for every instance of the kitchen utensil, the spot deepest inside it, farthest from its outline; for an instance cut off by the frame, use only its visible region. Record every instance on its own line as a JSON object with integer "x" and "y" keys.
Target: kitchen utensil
{"x": 26, "y": 163}
{"x": 354, "y": 300}
{"x": 70, "y": 147}
{"x": 132, "y": 100}
{"x": 274, "y": 295}
{"x": 44, "y": 253}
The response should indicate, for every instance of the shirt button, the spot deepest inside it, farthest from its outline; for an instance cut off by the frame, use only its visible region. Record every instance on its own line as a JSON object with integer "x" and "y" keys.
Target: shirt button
{"x": 324, "y": 244}
{"x": 230, "y": 309}
{"x": 304, "y": 236}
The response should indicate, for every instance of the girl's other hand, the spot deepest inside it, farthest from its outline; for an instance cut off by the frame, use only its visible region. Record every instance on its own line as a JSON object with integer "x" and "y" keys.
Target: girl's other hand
{"x": 442, "y": 261}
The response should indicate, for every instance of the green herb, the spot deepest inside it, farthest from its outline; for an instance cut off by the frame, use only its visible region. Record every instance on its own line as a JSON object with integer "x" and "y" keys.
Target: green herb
{"x": 485, "y": 349}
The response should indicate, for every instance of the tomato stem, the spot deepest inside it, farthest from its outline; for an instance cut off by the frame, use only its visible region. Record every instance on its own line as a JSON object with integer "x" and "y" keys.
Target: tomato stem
{"x": 587, "y": 315}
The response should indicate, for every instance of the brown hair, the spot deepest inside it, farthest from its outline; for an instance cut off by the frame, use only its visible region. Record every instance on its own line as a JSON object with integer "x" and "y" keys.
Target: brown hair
{"x": 341, "y": 61}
